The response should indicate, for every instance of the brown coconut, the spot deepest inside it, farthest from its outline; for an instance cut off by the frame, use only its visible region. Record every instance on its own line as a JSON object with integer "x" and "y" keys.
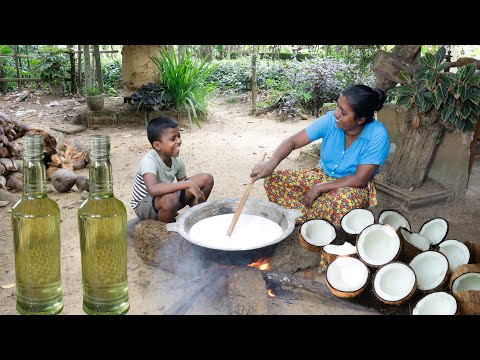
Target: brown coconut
{"x": 82, "y": 183}
{"x": 469, "y": 300}
{"x": 63, "y": 180}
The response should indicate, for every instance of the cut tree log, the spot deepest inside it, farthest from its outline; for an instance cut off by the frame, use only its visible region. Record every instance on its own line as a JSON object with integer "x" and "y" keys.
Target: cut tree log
{"x": 388, "y": 65}
{"x": 415, "y": 151}
{"x": 312, "y": 286}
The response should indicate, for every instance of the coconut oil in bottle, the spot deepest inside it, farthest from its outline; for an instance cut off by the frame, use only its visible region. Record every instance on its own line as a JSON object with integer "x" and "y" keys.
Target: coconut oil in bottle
{"x": 36, "y": 238}
{"x": 102, "y": 222}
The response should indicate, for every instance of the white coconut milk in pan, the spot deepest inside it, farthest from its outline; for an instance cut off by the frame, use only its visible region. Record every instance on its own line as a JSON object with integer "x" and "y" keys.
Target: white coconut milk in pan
{"x": 250, "y": 231}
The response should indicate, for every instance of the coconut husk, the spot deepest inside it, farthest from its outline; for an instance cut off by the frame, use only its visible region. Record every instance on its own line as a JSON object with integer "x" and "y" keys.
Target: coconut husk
{"x": 305, "y": 244}
{"x": 408, "y": 251}
{"x": 468, "y": 302}
{"x": 50, "y": 171}
{"x": 463, "y": 269}
{"x": 474, "y": 249}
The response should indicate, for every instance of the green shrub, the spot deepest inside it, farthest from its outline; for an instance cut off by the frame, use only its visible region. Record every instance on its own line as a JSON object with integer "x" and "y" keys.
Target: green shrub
{"x": 185, "y": 80}
{"x": 52, "y": 65}
{"x": 455, "y": 95}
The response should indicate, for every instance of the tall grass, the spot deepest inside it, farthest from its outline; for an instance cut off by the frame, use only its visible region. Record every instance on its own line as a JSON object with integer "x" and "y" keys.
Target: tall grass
{"x": 186, "y": 82}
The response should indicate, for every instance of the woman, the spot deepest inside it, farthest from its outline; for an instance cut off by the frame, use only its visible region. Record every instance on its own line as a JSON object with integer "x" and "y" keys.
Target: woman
{"x": 354, "y": 146}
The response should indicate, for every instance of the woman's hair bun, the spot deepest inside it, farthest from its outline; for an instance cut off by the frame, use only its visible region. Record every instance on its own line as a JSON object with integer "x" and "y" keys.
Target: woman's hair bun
{"x": 381, "y": 98}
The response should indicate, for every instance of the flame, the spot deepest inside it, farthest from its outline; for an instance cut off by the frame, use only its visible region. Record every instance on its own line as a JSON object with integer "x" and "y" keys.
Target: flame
{"x": 261, "y": 264}
{"x": 270, "y": 293}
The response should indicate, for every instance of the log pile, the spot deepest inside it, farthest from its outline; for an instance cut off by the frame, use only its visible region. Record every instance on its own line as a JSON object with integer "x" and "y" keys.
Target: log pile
{"x": 10, "y": 172}
{"x": 69, "y": 157}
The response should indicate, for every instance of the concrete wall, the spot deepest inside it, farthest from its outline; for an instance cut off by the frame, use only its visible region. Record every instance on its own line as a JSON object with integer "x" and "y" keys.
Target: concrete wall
{"x": 137, "y": 67}
{"x": 449, "y": 166}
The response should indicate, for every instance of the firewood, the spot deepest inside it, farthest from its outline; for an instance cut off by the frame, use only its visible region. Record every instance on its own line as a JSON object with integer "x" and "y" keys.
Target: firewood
{"x": 313, "y": 286}
{"x": 9, "y": 164}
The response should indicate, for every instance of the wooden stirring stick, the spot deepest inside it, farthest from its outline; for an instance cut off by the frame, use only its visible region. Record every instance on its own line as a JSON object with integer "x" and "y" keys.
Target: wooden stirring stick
{"x": 242, "y": 204}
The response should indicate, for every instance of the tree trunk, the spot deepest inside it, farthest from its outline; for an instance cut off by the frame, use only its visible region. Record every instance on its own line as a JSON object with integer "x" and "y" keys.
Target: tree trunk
{"x": 98, "y": 68}
{"x": 206, "y": 52}
{"x": 88, "y": 68}
{"x": 254, "y": 79}
{"x": 387, "y": 66}
{"x": 415, "y": 150}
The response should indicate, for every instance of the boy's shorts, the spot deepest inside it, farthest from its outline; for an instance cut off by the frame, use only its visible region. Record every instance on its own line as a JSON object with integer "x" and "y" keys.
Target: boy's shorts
{"x": 146, "y": 208}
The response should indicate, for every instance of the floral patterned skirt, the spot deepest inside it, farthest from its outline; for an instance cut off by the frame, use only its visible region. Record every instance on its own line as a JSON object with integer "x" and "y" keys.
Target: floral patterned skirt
{"x": 287, "y": 188}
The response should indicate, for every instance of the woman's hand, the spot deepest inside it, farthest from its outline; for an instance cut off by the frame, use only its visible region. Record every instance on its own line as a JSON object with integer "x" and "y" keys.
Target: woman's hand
{"x": 262, "y": 170}
{"x": 311, "y": 195}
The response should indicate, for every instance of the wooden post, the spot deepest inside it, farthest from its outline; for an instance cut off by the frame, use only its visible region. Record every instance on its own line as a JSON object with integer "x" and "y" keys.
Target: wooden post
{"x": 79, "y": 82}
{"x": 15, "y": 52}
{"x": 72, "y": 72}
{"x": 254, "y": 79}
{"x": 2, "y": 75}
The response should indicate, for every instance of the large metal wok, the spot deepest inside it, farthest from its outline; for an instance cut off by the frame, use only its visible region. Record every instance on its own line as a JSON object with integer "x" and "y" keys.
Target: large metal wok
{"x": 271, "y": 211}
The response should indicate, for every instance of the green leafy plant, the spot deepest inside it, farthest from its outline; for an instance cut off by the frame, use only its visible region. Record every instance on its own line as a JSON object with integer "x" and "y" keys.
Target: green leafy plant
{"x": 152, "y": 97}
{"x": 185, "y": 80}
{"x": 52, "y": 65}
{"x": 92, "y": 91}
{"x": 456, "y": 96}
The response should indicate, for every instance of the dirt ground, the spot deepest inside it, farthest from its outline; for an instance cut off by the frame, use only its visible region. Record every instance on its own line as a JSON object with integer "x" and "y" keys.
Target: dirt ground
{"x": 227, "y": 145}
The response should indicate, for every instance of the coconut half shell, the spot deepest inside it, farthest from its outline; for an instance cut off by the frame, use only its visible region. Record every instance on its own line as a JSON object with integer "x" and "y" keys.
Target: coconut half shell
{"x": 354, "y": 221}
{"x": 394, "y": 283}
{"x": 431, "y": 269}
{"x": 460, "y": 275}
{"x": 412, "y": 244}
{"x": 435, "y": 230}
{"x": 465, "y": 287}
{"x": 316, "y": 233}
{"x": 331, "y": 252}
{"x": 393, "y": 218}
{"x": 436, "y": 303}
{"x": 347, "y": 277}
{"x": 456, "y": 252}
{"x": 378, "y": 244}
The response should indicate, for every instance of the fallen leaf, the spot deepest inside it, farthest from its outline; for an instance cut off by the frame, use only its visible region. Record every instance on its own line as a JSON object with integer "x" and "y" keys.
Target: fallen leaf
{"x": 8, "y": 286}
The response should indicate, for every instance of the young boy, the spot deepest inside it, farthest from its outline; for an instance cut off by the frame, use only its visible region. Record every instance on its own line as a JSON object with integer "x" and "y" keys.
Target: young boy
{"x": 155, "y": 195}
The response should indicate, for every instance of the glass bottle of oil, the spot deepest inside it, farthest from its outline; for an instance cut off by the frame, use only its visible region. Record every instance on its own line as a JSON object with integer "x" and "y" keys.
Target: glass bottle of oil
{"x": 36, "y": 238}
{"x": 102, "y": 222}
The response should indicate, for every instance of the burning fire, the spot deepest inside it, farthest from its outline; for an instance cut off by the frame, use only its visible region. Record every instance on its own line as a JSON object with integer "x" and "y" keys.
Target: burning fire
{"x": 270, "y": 293}
{"x": 261, "y": 264}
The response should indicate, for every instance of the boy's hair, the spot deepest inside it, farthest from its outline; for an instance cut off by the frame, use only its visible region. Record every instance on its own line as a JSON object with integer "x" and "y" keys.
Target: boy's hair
{"x": 157, "y": 126}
